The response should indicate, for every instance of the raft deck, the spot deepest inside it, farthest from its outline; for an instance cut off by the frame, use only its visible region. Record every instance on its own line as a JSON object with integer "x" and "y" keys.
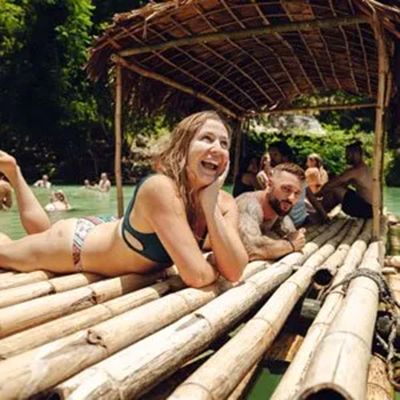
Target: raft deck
{"x": 81, "y": 336}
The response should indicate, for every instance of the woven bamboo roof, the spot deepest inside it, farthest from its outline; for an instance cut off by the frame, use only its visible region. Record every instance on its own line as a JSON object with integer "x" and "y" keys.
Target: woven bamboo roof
{"x": 244, "y": 57}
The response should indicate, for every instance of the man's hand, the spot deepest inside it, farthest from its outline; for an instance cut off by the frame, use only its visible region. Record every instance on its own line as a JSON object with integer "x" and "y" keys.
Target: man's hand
{"x": 297, "y": 239}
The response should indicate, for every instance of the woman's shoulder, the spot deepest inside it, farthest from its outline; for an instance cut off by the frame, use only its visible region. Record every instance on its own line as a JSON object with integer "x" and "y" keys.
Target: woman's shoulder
{"x": 158, "y": 182}
{"x": 158, "y": 187}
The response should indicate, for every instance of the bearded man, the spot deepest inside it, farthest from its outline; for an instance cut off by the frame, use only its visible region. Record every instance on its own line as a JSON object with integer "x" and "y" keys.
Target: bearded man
{"x": 265, "y": 229}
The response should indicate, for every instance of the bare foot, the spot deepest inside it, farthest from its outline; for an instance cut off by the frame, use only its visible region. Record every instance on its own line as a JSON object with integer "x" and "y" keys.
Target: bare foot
{"x": 8, "y": 165}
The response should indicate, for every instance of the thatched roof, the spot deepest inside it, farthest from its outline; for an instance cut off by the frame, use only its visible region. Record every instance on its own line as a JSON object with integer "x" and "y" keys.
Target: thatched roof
{"x": 244, "y": 57}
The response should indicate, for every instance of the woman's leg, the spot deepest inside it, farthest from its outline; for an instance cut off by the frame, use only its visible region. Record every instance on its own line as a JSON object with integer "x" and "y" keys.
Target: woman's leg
{"x": 33, "y": 218}
{"x": 50, "y": 250}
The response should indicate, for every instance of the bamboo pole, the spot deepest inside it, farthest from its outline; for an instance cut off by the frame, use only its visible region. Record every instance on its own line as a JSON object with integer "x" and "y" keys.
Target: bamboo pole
{"x": 245, "y": 33}
{"x": 242, "y": 388}
{"x": 325, "y": 272}
{"x": 19, "y": 294}
{"x": 378, "y": 385}
{"x": 379, "y": 128}
{"x": 219, "y": 375}
{"x": 291, "y": 380}
{"x": 24, "y": 278}
{"x": 327, "y": 107}
{"x": 118, "y": 139}
{"x": 238, "y": 149}
{"x": 73, "y": 353}
{"x": 55, "y": 329}
{"x": 170, "y": 82}
{"x": 340, "y": 367}
{"x": 34, "y": 312}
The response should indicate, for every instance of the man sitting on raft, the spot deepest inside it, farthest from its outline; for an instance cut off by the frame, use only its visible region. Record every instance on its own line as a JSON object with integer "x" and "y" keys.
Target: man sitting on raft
{"x": 171, "y": 218}
{"x": 355, "y": 202}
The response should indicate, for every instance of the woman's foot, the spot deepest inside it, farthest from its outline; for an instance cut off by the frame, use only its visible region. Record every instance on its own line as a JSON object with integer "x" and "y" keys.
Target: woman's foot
{"x": 8, "y": 165}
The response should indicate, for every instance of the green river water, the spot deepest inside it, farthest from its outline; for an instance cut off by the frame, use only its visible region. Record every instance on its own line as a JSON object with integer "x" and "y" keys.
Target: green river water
{"x": 87, "y": 202}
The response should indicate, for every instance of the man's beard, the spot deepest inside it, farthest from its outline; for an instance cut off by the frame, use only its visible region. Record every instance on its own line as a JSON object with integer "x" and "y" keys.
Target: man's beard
{"x": 276, "y": 205}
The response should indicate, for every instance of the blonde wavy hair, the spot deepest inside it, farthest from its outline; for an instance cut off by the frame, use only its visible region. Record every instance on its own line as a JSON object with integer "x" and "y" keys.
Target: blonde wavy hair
{"x": 170, "y": 158}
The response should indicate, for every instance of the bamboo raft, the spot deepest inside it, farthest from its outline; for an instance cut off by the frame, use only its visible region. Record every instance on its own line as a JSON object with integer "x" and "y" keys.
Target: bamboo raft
{"x": 83, "y": 337}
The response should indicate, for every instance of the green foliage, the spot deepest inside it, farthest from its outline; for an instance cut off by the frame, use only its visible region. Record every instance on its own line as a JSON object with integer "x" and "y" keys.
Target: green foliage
{"x": 330, "y": 146}
{"x": 12, "y": 23}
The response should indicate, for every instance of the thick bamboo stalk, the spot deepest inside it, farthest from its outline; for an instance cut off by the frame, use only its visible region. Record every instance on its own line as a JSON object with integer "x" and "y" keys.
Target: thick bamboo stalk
{"x": 19, "y": 294}
{"x": 378, "y": 385}
{"x": 325, "y": 272}
{"x": 161, "y": 354}
{"x": 291, "y": 380}
{"x": 238, "y": 149}
{"x": 242, "y": 388}
{"x": 245, "y": 33}
{"x": 379, "y": 128}
{"x": 118, "y": 139}
{"x": 219, "y": 376}
{"x": 24, "y": 278}
{"x": 52, "y": 330}
{"x": 340, "y": 366}
{"x": 34, "y": 312}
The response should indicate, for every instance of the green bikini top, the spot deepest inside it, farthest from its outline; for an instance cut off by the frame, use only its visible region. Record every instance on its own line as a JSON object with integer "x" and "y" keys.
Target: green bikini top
{"x": 152, "y": 247}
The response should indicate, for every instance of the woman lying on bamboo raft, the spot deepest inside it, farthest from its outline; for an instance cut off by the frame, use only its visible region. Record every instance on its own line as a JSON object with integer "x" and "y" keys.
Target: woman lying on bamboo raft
{"x": 170, "y": 218}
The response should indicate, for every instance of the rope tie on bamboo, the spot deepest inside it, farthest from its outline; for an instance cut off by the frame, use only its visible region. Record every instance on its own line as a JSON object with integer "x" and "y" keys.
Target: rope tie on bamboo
{"x": 392, "y": 306}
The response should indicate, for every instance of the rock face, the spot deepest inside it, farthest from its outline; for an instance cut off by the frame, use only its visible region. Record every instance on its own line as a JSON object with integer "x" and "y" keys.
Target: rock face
{"x": 291, "y": 124}
{"x": 138, "y": 162}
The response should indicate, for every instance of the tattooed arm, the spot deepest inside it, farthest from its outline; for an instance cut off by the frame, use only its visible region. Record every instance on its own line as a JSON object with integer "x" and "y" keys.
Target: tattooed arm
{"x": 258, "y": 246}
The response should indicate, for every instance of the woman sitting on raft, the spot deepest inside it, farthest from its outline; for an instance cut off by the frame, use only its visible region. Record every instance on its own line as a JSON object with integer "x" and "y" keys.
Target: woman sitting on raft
{"x": 170, "y": 218}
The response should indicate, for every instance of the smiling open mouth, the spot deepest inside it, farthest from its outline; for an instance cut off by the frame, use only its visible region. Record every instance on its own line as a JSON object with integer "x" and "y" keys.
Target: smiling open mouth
{"x": 209, "y": 165}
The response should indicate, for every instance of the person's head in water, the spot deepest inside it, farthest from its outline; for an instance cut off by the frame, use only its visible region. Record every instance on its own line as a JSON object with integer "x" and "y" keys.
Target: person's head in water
{"x": 279, "y": 152}
{"x": 285, "y": 187}
{"x": 354, "y": 153}
{"x": 196, "y": 153}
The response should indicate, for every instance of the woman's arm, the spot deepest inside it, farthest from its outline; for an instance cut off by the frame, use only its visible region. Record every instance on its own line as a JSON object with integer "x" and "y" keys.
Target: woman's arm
{"x": 223, "y": 232}
{"x": 164, "y": 211}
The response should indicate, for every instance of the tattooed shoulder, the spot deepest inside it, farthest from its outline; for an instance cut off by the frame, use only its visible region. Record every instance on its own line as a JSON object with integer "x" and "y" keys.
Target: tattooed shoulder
{"x": 249, "y": 207}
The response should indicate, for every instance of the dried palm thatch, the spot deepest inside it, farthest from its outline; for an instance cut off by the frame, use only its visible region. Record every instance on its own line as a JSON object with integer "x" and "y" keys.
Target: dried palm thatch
{"x": 243, "y": 57}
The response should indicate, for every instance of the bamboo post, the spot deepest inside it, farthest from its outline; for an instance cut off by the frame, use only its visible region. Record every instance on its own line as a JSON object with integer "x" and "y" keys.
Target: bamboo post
{"x": 291, "y": 380}
{"x": 238, "y": 149}
{"x": 379, "y": 128}
{"x": 340, "y": 366}
{"x": 118, "y": 139}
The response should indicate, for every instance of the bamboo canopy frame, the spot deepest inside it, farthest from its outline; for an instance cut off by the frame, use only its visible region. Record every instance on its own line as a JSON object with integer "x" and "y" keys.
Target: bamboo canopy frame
{"x": 246, "y": 58}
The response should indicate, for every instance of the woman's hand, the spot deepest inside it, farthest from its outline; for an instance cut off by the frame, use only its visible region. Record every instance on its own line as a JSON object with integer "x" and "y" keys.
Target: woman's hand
{"x": 209, "y": 195}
